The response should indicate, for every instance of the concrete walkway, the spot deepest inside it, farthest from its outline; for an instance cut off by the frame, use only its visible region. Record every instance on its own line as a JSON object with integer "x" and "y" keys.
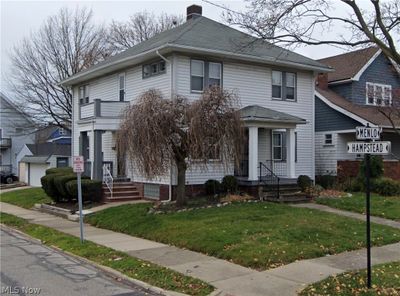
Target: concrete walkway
{"x": 358, "y": 216}
{"x": 230, "y": 279}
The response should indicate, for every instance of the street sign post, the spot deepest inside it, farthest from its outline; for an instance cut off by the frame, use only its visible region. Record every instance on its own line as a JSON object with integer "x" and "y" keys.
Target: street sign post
{"x": 78, "y": 168}
{"x": 367, "y": 148}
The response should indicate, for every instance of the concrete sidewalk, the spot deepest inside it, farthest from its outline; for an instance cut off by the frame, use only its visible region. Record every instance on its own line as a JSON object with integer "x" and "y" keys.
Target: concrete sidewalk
{"x": 358, "y": 216}
{"x": 228, "y": 278}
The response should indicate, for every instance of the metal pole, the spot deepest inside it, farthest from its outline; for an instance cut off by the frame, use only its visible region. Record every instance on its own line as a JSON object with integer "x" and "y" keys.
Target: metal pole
{"x": 368, "y": 206}
{"x": 80, "y": 205}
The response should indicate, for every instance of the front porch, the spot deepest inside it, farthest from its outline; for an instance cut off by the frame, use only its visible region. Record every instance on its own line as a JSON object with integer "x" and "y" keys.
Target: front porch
{"x": 270, "y": 146}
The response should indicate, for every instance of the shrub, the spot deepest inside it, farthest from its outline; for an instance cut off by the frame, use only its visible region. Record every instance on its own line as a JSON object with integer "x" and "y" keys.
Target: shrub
{"x": 385, "y": 186}
{"x": 230, "y": 184}
{"x": 66, "y": 170}
{"x": 91, "y": 189}
{"x": 304, "y": 182}
{"x": 50, "y": 188}
{"x": 376, "y": 167}
{"x": 353, "y": 185}
{"x": 212, "y": 187}
{"x": 60, "y": 183}
{"x": 326, "y": 181}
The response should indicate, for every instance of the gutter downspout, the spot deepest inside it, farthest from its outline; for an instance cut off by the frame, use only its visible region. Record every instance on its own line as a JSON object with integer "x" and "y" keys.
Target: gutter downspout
{"x": 170, "y": 168}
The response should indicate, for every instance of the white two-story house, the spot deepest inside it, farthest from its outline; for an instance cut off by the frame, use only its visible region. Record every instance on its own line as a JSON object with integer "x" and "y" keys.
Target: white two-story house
{"x": 275, "y": 87}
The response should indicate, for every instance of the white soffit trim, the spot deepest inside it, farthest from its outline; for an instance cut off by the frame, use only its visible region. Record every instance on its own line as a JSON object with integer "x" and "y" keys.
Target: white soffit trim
{"x": 342, "y": 110}
{"x": 362, "y": 70}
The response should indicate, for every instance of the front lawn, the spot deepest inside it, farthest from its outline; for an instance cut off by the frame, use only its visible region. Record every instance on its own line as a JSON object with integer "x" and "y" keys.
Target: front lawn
{"x": 385, "y": 281}
{"x": 25, "y": 198}
{"x": 385, "y": 207}
{"x": 130, "y": 266}
{"x": 257, "y": 235}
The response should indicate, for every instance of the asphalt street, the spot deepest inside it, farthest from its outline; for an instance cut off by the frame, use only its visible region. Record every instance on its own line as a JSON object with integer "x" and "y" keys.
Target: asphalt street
{"x": 29, "y": 268}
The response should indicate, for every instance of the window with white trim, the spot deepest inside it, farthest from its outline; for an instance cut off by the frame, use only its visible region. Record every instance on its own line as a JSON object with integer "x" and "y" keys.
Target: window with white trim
{"x": 328, "y": 139}
{"x": 154, "y": 69}
{"x": 279, "y": 146}
{"x": 204, "y": 74}
{"x": 121, "y": 82}
{"x": 61, "y": 131}
{"x": 284, "y": 85}
{"x": 84, "y": 94}
{"x": 378, "y": 94}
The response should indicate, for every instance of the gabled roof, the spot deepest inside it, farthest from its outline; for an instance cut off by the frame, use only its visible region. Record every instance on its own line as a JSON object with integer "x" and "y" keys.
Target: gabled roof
{"x": 259, "y": 113}
{"x": 202, "y": 35}
{"x": 361, "y": 113}
{"x": 350, "y": 65}
{"x": 48, "y": 149}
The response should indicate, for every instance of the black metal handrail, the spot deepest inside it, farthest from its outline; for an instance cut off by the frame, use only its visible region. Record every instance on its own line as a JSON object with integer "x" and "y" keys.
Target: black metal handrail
{"x": 269, "y": 178}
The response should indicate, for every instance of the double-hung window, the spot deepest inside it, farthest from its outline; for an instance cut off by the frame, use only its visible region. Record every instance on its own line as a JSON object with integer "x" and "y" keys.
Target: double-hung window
{"x": 328, "y": 139}
{"x": 378, "y": 94}
{"x": 121, "y": 82}
{"x": 84, "y": 94}
{"x": 204, "y": 74}
{"x": 197, "y": 75}
{"x": 279, "y": 146}
{"x": 284, "y": 85}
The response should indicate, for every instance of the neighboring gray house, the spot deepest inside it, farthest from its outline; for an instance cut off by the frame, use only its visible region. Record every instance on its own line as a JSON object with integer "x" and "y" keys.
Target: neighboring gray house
{"x": 35, "y": 159}
{"x": 364, "y": 84}
{"x": 16, "y": 130}
{"x": 275, "y": 87}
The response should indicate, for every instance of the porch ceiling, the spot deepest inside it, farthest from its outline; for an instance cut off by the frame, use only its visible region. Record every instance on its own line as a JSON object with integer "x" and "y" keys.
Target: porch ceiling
{"x": 257, "y": 113}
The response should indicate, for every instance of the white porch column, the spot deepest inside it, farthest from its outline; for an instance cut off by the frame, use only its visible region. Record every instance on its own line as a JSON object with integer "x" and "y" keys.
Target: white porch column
{"x": 290, "y": 153}
{"x": 253, "y": 153}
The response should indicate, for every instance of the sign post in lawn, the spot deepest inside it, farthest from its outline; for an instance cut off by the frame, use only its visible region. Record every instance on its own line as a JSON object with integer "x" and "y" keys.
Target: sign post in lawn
{"x": 368, "y": 148}
{"x": 78, "y": 166}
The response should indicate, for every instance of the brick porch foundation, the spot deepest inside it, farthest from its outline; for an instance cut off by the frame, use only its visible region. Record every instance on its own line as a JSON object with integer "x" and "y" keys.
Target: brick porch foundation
{"x": 350, "y": 168}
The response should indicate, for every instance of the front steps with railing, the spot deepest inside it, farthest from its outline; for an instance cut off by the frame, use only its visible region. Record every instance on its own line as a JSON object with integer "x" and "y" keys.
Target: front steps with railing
{"x": 122, "y": 190}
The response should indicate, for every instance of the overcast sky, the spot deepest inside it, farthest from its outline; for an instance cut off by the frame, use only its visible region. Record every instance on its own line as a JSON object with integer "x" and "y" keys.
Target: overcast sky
{"x": 19, "y": 18}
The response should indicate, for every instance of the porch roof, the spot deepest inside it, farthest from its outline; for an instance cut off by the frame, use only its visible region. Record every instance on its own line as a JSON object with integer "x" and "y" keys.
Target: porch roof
{"x": 35, "y": 159}
{"x": 259, "y": 113}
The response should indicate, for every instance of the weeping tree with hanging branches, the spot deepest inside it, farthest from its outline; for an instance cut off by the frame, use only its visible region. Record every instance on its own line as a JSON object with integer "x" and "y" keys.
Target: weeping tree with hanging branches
{"x": 157, "y": 131}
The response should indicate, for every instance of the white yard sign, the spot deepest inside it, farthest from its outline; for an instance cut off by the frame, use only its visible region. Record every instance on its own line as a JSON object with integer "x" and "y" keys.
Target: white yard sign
{"x": 368, "y": 133}
{"x": 78, "y": 164}
{"x": 382, "y": 147}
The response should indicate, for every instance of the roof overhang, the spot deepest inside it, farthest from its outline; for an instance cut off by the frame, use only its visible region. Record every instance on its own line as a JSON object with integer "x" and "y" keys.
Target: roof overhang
{"x": 169, "y": 48}
{"x": 36, "y": 159}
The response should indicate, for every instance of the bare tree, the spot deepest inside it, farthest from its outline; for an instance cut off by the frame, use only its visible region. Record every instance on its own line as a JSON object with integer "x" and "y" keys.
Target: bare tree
{"x": 140, "y": 27}
{"x": 157, "y": 130}
{"x": 392, "y": 113}
{"x": 67, "y": 43}
{"x": 309, "y": 22}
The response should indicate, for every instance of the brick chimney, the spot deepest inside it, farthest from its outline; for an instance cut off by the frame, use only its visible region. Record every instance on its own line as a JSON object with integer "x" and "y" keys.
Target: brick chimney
{"x": 322, "y": 80}
{"x": 193, "y": 11}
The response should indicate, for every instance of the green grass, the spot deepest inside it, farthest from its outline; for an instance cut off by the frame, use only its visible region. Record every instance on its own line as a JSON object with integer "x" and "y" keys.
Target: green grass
{"x": 385, "y": 281}
{"x": 25, "y": 198}
{"x": 385, "y": 207}
{"x": 257, "y": 235}
{"x": 130, "y": 266}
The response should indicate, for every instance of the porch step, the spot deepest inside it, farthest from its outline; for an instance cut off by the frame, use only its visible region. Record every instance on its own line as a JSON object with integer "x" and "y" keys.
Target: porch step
{"x": 121, "y": 191}
{"x": 290, "y": 193}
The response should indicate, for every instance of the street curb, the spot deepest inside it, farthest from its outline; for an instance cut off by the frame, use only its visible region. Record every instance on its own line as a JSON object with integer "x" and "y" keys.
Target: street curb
{"x": 114, "y": 274}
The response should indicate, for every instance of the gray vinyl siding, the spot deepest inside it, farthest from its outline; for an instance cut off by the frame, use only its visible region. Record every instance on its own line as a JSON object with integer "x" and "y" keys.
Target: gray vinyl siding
{"x": 328, "y": 119}
{"x": 345, "y": 90}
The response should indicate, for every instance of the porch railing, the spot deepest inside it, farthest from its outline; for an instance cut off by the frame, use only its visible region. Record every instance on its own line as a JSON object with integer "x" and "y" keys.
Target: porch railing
{"x": 108, "y": 180}
{"x": 270, "y": 179}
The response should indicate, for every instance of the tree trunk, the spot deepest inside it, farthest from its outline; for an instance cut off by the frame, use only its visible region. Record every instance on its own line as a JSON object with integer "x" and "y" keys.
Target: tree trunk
{"x": 180, "y": 188}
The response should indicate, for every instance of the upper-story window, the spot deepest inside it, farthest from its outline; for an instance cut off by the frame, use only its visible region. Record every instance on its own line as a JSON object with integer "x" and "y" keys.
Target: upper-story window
{"x": 204, "y": 74}
{"x": 61, "y": 131}
{"x": 84, "y": 94}
{"x": 153, "y": 69}
{"x": 121, "y": 82}
{"x": 378, "y": 94}
{"x": 284, "y": 85}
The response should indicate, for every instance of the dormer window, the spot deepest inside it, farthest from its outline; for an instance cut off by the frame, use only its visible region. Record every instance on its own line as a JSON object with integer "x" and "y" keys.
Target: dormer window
{"x": 378, "y": 94}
